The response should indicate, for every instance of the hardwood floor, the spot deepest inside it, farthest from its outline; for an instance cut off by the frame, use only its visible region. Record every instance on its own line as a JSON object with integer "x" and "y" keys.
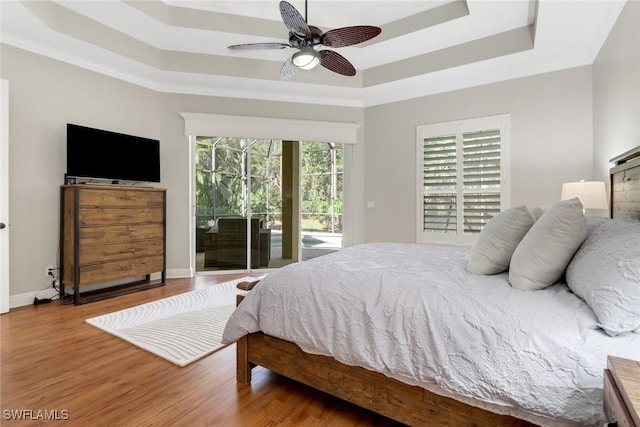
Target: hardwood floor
{"x": 53, "y": 361}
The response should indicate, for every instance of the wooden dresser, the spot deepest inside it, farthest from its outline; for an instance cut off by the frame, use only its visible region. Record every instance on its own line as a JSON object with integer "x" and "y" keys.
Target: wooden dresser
{"x": 112, "y": 240}
{"x": 622, "y": 391}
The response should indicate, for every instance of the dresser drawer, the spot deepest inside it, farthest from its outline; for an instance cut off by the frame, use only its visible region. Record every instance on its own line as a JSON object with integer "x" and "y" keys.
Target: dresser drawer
{"x": 118, "y": 251}
{"x": 115, "y": 216}
{"x": 121, "y": 198}
{"x": 120, "y": 233}
{"x": 106, "y": 272}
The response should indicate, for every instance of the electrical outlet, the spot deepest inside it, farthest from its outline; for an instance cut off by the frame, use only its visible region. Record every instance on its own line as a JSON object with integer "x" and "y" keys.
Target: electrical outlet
{"x": 49, "y": 269}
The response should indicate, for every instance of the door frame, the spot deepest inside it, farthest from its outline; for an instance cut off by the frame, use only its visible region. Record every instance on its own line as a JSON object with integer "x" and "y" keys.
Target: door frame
{"x": 4, "y": 197}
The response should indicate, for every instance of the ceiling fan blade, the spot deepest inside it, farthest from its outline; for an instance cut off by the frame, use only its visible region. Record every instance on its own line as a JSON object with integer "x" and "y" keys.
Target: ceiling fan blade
{"x": 337, "y": 63}
{"x": 259, "y": 46}
{"x": 294, "y": 21}
{"x": 288, "y": 70}
{"x": 348, "y": 36}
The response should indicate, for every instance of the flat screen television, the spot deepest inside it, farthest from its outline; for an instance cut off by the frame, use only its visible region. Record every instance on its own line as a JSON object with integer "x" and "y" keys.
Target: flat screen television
{"x": 97, "y": 153}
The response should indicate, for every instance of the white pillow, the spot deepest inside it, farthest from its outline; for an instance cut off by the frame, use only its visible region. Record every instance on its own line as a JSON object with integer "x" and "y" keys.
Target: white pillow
{"x": 605, "y": 273}
{"x": 491, "y": 252}
{"x": 545, "y": 251}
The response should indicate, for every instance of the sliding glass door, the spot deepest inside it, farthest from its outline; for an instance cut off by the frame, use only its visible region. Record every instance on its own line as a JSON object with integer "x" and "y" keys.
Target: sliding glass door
{"x": 265, "y": 198}
{"x": 322, "y": 189}
{"x": 265, "y": 203}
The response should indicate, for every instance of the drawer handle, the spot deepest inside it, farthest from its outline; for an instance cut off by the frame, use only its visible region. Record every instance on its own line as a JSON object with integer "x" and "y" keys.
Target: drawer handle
{"x": 127, "y": 233}
{"x": 126, "y": 216}
{"x": 126, "y": 251}
{"x": 127, "y": 267}
{"x": 126, "y": 197}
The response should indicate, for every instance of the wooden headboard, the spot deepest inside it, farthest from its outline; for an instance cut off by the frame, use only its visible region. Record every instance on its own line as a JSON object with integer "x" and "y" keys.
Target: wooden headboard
{"x": 625, "y": 185}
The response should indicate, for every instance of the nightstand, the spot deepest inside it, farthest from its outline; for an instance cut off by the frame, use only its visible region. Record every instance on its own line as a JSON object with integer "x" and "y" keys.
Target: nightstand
{"x": 622, "y": 391}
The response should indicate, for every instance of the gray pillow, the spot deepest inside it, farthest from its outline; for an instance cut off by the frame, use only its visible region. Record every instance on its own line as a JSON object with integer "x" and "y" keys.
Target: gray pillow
{"x": 492, "y": 251}
{"x": 543, "y": 254}
{"x": 605, "y": 273}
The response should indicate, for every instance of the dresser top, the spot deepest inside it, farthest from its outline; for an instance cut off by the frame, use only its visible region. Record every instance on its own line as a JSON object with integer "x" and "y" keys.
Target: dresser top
{"x": 112, "y": 187}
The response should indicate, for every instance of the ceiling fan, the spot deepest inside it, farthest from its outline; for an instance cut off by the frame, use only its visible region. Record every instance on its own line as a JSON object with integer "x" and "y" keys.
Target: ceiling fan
{"x": 307, "y": 38}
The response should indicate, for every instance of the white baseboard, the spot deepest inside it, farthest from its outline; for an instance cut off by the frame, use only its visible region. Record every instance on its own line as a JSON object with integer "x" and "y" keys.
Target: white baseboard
{"x": 27, "y": 299}
{"x": 179, "y": 273}
{"x": 21, "y": 300}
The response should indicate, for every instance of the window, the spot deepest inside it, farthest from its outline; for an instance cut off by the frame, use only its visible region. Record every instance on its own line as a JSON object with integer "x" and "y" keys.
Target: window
{"x": 462, "y": 176}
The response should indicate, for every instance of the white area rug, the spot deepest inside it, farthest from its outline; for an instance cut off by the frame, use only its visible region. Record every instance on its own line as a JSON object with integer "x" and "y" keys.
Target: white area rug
{"x": 182, "y": 328}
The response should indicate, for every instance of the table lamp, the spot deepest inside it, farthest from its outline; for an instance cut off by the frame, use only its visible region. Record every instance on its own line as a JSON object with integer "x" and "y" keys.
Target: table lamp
{"x": 592, "y": 194}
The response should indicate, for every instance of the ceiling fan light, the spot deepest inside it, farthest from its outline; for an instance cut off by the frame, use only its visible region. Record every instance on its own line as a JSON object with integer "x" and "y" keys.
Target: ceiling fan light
{"x": 311, "y": 65}
{"x": 307, "y": 58}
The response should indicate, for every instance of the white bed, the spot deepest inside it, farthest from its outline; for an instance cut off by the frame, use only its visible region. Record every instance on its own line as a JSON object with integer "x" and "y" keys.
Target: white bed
{"x": 414, "y": 313}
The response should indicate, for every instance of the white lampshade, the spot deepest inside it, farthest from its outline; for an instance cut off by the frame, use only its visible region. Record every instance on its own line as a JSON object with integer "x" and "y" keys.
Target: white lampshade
{"x": 592, "y": 194}
{"x": 307, "y": 58}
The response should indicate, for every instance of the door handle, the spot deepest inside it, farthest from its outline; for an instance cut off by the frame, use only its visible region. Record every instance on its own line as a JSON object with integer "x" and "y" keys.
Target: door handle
{"x": 2, "y": 225}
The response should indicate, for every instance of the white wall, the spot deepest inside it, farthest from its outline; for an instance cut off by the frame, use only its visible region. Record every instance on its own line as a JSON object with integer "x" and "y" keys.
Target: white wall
{"x": 551, "y": 142}
{"x": 616, "y": 91}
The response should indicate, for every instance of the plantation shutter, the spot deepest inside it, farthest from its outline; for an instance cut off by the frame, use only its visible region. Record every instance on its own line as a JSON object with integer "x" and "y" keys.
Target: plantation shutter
{"x": 481, "y": 178}
{"x": 461, "y": 169}
{"x": 440, "y": 182}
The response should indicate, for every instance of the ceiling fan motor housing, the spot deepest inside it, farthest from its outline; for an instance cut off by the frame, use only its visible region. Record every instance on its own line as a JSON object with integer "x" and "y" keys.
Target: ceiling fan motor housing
{"x": 316, "y": 33}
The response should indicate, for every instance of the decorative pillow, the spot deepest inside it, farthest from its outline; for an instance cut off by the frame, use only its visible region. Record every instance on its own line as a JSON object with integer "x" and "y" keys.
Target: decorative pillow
{"x": 605, "y": 273}
{"x": 545, "y": 251}
{"x": 491, "y": 252}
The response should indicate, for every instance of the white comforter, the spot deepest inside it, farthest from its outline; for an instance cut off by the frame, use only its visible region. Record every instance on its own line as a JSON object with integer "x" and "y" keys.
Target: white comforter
{"x": 412, "y": 312}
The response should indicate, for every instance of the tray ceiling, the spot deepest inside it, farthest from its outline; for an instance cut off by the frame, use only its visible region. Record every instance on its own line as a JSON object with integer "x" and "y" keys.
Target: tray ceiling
{"x": 426, "y": 47}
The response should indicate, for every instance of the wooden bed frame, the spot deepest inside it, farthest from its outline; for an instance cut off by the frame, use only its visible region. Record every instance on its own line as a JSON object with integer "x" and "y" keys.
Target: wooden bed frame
{"x": 408, "y": 404}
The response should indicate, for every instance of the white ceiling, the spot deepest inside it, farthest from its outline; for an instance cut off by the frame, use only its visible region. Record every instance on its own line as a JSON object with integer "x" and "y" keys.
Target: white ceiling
{"x": 425, "y": 47}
